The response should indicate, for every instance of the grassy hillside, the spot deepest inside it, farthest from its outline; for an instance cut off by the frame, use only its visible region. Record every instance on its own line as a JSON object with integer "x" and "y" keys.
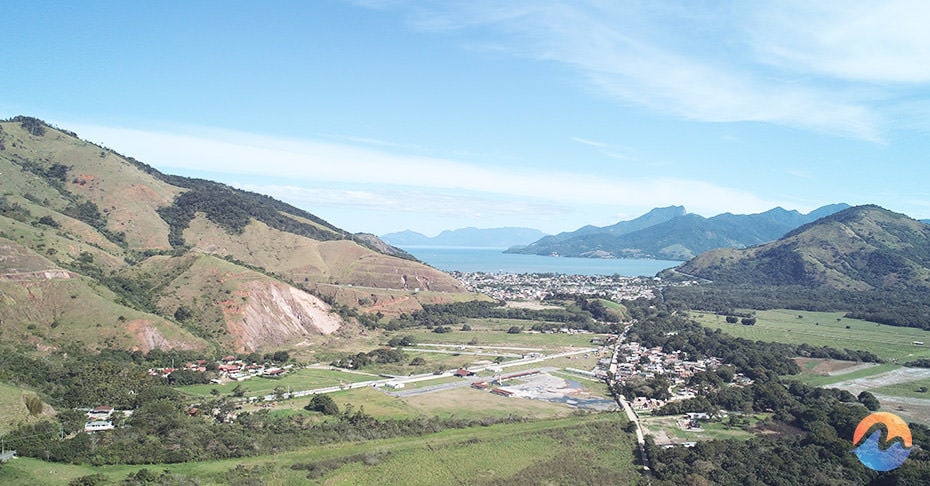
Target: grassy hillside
{"x": 576, "y": 450}
{"x": 14, "y": 409}
{"x": 136, "y": 241}
{"x": 861, "y": 248}
{"x": 46, "y": 307}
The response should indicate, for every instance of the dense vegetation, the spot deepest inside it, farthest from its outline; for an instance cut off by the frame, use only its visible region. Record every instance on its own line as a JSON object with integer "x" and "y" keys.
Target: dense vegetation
{"x": 232, "y": 209}
{"x": 808, "y": 435}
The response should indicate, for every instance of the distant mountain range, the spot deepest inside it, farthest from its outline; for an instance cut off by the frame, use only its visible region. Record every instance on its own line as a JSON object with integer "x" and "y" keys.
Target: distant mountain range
{"x": 861, "y": 248}
{"x": 468, "y": 237}
{"x": 673, "y": 234}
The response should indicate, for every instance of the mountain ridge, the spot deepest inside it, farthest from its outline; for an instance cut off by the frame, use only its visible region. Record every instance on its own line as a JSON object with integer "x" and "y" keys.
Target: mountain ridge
{"x": 128, "y": 245}
{"x": 860, "y": 248}
{"x": 672, "y": 233}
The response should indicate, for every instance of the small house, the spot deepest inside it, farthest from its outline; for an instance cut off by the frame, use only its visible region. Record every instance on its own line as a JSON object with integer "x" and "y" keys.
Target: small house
{"x": 98, "y": 425}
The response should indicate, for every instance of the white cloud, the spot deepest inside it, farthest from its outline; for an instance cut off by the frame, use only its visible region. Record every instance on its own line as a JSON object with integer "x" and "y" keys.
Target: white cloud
{"x": 366, "y": 177}
{"x": 881, "y": 41}
{"x": 808, "y": 65}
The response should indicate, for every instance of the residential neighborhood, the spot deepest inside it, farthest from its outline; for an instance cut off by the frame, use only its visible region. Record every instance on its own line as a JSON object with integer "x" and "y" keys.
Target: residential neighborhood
{"x": 539, "y": 286}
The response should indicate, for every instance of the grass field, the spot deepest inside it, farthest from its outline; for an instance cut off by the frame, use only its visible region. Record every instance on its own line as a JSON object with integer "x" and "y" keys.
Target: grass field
{"x": 827, "y": 329}
{"x": 302, "y": 379}
{"x": 589, "y": 449}
{"x": 500, "y": 337}
{"x": 666, "y": 429}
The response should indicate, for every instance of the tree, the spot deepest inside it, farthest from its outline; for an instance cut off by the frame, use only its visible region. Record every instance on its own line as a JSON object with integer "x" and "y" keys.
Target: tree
{"x": 33, "y": 404}
{"x": 418, "y": 361}
{"x": 514, "y": 330}
{"x": 869, "y": 401}
{"x": 323, "y": 404}
{"x": 49, "y": 221}
{"x": 183, "y": 313}
{"x": 732, "y": 319}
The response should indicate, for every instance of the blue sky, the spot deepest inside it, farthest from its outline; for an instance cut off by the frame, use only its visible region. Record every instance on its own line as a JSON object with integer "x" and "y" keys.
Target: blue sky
{"x": 381, "y": 116}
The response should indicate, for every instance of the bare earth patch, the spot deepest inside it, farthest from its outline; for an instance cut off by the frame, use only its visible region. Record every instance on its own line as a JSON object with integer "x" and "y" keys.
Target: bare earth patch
{"x": 148, "y": 337}
{"x": 531, "y": 305}
{"x": 830, "y": 367}
{"x": 900, "y": 375}
{"x": 275, "y": 313}
{"x": 917, "y": 409}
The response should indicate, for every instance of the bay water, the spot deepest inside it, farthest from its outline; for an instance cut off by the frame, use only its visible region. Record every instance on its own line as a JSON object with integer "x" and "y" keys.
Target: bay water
{"x": 493, "y": 260}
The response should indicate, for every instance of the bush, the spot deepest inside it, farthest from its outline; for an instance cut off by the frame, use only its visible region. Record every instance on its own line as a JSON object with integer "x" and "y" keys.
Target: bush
{"x": 49, "y": 221}
{"x": 323, "y": 404}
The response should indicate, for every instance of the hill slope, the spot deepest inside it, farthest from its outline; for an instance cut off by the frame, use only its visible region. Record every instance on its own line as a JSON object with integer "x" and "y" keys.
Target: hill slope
{"x": 670, "y": 233}
{"x": 123, "y": 240}
{"x": 861, "y": 248}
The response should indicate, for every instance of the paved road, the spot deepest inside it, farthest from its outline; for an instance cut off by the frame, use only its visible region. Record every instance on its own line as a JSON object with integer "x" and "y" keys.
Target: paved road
{"x": 621, "y": 400}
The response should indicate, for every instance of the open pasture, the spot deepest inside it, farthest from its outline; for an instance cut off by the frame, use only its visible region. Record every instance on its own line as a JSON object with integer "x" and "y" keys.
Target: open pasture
{"x": 831, "y": 329}
{"x": 301, "y": 379}
{"x": 578, "y": 449}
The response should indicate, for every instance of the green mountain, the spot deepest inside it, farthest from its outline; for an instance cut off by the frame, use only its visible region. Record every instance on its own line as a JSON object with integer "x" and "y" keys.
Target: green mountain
{"x": 102, "y": 250}
{"x": 671, "y": 233}
{"x": 860, "y": 248}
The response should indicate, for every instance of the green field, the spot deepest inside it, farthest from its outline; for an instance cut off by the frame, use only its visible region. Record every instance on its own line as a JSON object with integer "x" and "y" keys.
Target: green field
{"x": 590, "y": 449}
{"x": 667, "y": 426}
{"x": 827, "y": 329}
{"x": 498, "y": 336}
{"x": 302, "y": 379}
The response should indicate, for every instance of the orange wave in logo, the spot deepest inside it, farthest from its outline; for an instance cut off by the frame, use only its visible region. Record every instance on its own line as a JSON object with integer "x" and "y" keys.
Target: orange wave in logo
{"x": 896, "y": 427}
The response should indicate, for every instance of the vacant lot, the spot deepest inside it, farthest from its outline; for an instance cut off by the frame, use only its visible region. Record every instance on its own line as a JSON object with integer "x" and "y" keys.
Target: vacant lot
{"x": 669, "y": 430}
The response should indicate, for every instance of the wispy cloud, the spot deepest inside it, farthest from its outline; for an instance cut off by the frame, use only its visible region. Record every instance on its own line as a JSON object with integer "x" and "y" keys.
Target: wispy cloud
{"x": 606, "y": 149}
{"x": 808, "y": 65}
{"x": 366, "y": 177}
{"x": 883, "y": 42}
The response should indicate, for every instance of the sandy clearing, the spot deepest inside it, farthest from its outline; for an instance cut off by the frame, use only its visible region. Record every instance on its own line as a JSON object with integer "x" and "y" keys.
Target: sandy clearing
{"x": 900, "y": 375}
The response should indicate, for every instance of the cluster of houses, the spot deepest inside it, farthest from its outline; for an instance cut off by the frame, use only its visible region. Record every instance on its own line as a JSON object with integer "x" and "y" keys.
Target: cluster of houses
{"x": 199, "y": 366}
{"x": 511, "y": 286}
{"x": 101, "y": 418}
{"x": 229, "y": 368}
{"x": 635, "y": 360}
